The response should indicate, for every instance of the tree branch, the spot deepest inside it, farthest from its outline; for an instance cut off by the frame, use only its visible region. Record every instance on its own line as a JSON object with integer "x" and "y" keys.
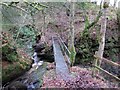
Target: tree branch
{"x": 95, "y": 21}
{"x": 15, "y": 7}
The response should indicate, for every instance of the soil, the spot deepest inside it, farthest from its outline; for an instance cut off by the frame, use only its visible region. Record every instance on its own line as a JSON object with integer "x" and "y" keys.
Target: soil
{"x": 5, "y": 64}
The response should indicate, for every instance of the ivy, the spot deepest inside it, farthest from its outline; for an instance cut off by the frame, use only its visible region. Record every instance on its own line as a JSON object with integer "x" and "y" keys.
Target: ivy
{"x": 72, "y": 55}
{"x": 86, "y": 48}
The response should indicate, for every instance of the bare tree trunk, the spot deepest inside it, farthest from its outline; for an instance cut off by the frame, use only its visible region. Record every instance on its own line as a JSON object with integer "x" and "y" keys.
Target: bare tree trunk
{"x": 72, "y": 23}
{"x": 102, "y": 33}
{"x": 100, "y": 51}
{"x": 71, "y": 27}
{"x": 43, "y": 28}
{"x": 70, "y": 20}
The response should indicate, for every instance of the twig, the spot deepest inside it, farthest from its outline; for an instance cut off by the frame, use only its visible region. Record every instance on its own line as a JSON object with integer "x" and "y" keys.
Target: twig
{"x": 15, "y": 7}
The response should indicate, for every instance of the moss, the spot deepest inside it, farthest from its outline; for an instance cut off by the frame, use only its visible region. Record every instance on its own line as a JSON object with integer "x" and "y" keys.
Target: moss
{"x": 13, "y": 71}
{"x": 18, "y": 66}
{"x": 10, "y": 71}
{"x": 15, "y": 62}
{"x": 9, "y": 54}
{"x": 72, "y": 55}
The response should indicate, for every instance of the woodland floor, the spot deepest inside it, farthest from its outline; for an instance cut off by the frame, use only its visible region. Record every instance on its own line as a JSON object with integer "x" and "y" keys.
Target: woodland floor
{"x": 80, "y": 78}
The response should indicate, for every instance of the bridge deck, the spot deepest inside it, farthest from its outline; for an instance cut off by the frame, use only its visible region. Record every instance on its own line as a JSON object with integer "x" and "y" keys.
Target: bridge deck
{"x": 61, "y": 66}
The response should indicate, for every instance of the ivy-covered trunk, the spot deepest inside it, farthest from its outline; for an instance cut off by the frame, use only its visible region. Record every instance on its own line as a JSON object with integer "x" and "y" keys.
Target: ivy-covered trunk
{"x": 71, "y": 44}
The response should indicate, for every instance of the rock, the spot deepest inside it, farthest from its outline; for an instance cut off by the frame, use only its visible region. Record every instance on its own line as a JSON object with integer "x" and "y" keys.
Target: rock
{"x": 39, "y": 47}
{"x": 16, "y": 86}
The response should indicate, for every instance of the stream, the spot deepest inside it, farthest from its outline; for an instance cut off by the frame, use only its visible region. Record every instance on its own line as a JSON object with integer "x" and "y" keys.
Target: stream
{"x": 32, "y": 79}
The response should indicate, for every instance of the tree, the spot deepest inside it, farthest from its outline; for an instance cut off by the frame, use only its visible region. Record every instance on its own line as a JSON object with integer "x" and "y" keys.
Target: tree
{"x": 102, "y": 36}
{"x": 89, "y": 25}
{"x": 72, "y": 31}
{"x": 115, "y": 1}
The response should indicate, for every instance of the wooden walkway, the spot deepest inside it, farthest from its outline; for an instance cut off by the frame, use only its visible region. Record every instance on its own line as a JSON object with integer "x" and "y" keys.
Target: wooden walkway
{"x": 61, "y": 66}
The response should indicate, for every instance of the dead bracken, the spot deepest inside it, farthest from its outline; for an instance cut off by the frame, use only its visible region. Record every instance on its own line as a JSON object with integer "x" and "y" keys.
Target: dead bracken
{"x": 80, "y": 78}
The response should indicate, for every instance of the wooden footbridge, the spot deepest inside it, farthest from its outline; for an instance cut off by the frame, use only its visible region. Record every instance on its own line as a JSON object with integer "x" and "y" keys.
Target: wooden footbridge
{"x": 61, "y": 58}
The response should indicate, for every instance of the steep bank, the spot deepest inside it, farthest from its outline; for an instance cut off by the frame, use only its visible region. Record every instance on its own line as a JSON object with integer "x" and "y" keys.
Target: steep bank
{"x": 14, "y": 60}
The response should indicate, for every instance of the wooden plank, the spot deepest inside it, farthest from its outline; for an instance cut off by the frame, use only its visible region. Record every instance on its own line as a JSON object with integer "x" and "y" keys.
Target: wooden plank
{"x": 61, "y": 66}
{"x": 107, "y": 73}
{"x": 108, "y": 61}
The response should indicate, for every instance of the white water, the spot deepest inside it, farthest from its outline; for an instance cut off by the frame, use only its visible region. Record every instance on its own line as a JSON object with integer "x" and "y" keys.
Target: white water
{"x": 36, "y": 60}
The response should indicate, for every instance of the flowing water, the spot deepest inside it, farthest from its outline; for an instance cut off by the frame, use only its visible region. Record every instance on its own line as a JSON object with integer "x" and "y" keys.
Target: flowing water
{"x": 31, "y": 79}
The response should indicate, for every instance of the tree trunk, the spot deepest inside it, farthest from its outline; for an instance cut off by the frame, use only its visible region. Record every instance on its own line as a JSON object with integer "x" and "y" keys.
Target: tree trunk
{"x": 102, "y": 38}
{"x": 115, "y": 1}
{"x": 72, "y": 23}
{"x": 72, "y": 47}
{"x": 43, "y": 28}
{"x": 102, "y": 33}
{"x": 70, "y": 20}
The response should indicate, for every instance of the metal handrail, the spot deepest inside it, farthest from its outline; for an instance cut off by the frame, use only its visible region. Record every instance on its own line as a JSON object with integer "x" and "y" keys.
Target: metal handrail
{"x": 65, "y": 49}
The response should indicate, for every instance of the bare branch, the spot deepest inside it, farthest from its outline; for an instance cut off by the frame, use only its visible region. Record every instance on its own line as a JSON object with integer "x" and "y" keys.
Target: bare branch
{"x": 15, "y": 7}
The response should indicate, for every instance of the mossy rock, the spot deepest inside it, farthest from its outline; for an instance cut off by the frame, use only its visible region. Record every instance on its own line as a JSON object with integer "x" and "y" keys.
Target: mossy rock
{"x": 14, "y": 64}
{"x": 9, "y": 54}
{"x": 12, "y": 71}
